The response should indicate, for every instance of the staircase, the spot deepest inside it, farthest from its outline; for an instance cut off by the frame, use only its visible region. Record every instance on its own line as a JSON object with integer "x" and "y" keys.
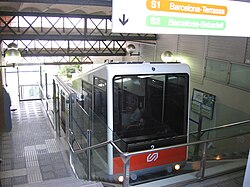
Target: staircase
{"x": 63, "y": 182}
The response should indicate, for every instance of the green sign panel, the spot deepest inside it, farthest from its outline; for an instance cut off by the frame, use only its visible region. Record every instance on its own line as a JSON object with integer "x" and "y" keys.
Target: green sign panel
{"x": 185, "y": 23}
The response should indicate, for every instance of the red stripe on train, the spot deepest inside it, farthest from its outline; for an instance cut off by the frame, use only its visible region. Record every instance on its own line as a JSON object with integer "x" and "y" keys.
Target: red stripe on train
{"x": 153, "y": 159}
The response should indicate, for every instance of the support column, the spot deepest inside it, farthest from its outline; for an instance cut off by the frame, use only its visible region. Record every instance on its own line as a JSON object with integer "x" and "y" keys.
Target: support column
{"x": 1, "y": 94}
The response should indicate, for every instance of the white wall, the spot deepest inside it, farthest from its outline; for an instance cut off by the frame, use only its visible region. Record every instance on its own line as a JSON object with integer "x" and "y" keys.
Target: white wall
{"x": 232, "y": 103}
{"x": 1, "y": 97}
{"x": 166, "y": 43}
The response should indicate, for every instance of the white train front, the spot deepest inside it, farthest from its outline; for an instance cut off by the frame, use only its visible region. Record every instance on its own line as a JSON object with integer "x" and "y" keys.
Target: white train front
{"x": 141, "y": 106}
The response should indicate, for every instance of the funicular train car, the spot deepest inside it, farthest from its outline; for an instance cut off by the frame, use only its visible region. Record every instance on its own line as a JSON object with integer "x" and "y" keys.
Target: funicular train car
{"x": 145, "y": 105}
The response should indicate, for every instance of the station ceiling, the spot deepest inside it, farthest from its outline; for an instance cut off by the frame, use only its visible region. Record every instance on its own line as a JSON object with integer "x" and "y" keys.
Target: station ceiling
{"x": 95, "y": 7}
{"x": 102, "y": 8}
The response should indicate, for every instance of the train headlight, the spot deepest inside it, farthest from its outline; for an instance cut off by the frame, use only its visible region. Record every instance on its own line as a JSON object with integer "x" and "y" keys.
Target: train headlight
{"x": 120, "y": 178}
{"x": 218, "y": 157}
{"x": 177, "y": 167}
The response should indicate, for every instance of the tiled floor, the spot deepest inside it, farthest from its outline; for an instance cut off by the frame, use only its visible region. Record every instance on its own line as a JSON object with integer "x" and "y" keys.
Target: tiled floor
{"x": 30, "y": 152}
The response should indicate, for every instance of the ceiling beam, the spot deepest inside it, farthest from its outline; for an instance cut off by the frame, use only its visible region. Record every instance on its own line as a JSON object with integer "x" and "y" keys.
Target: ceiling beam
{"x": 118, "y": 37}
{"x": 88, "y": 27}
{"x": 7, "y": 13}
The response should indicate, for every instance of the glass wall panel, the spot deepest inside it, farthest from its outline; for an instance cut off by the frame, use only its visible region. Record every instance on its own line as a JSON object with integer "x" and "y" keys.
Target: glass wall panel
{"x": 240, "y": 76}
{"x": 232, "y": 74}
{"x": 217, "y": 70}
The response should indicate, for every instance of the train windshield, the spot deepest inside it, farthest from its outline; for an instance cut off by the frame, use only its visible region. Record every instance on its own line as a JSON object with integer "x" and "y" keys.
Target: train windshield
{"x": 148, "y": 107}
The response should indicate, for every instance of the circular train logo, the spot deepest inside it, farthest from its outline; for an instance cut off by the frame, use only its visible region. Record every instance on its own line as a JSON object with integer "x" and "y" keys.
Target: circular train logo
{"x": 152, "y": 157}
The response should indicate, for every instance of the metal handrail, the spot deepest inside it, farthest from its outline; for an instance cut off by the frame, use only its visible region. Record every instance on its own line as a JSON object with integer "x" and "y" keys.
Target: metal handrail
{"x": 64, "y": 86}
{"x": 89, "y": 148}
{"x": 170, "y": 147}
{"x": 95, "y": 146}
{"x": 126, "y": 154}
{"x": 185, "y": 144}
{"x": 46, "y": 99}
{"x": 222, "y": 126}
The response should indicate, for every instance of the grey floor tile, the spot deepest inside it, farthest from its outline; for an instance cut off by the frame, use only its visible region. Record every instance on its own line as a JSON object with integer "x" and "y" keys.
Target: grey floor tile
{"x": 44, "y": 162}
{"x": 6, "y": 156}
{"x": 58, "y": 165}
{"x": 61, "y": 173}
{"x": 20, "y": 180}
{"x": 56, "y": 157}
{"x": 48, "y": 175}
{"x": 30, "y": 147}
{"x": 6, "y": 164}
{"x": 46, "y": 168}
{"x": 34, "y": 178}
{"x": 42, "y": 151}
{"x": 7, "y": 182}
{"x": 19, "y": 165}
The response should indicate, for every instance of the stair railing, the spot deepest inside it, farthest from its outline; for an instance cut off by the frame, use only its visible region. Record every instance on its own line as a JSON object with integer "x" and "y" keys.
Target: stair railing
{"x": 126, "y": 156}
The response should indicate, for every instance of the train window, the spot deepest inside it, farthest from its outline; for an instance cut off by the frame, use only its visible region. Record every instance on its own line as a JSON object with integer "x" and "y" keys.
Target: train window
{"x": 63, "y": 110}
{"x": 87, "y": 86}
{"x": 100, "y": 98}
{"x": 149, "y": 107}
{"x": 87, "y": 96}
{"x": 100, "y": 83}
{"x": 100, "y": 110}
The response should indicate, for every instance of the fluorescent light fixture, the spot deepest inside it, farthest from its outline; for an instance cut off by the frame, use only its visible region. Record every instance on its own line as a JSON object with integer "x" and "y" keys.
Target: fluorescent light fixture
{"x": 144, "y": 76}
{"x": 12, "y": 54}
{"x": 122, "y": 80}
{"x": 130, "y": 48}
{"x": 167, "y": 56}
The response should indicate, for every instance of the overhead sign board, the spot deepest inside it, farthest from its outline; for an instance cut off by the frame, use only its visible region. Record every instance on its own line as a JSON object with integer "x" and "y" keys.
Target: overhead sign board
{"x": 198, "y": 17}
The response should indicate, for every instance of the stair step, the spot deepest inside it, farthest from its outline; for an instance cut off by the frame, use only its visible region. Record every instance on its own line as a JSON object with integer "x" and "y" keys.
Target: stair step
{"x": 63, "y": 182}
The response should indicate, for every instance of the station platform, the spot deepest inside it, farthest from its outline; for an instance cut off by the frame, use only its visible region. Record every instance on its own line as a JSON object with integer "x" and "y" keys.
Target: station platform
{"x": 34, "y": 156}
{"x": 31, "y": 153}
